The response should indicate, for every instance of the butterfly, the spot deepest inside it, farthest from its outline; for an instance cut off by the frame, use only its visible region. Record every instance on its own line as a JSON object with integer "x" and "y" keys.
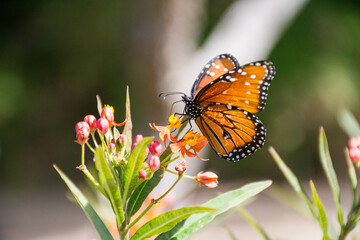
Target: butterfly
{"x": 224, "y": 98}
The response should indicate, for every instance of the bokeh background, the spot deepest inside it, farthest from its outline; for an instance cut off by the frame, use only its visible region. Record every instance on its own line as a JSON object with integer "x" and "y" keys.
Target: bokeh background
{"x": 55, "y": 56}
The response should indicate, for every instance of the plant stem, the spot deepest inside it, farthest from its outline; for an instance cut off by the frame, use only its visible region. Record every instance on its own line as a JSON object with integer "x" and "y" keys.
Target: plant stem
{"x": 153, "y": 201}
{"x": 89, "y": 146}
{"x": 94, "y": 140}
{"x": 92, "y": 179}
{"x": 82, "y": 155}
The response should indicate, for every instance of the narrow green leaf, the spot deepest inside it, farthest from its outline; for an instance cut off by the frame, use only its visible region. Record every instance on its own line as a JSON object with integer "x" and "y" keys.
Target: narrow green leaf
{"x": 87, "y": 208}
{"x": 293, "y": 180}
{"x": 247, "y": 216}
{"x": 110, "y": 184}
{"x": 133, "y": 167}
{"x": 141, "y": 193}
{"x": 322, "y": 214}
{"x": 166, "y": 221}
{"x": 222, "y": 203}
{"x": 128, "y": 125}
{"x": 351, "y": 171}
{"x": 99, "y": 104}
{"x": 330, "y": 173}
{"x": 116, "y": 133}
{"x": 349, "y": 123}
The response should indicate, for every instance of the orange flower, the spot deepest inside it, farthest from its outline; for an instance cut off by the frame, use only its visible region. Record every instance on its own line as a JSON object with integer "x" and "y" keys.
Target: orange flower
{"x": 165, "y": 130}
{"x": 108, "y": 113}
{"x": 208, "y": 179}
{"x": 196, "y": 142}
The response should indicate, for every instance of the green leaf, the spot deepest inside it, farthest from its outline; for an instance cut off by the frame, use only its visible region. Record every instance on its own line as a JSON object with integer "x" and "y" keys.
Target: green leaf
{"x": 252, "y": 221}
{"x": 128, "y": 125}
{"x": 222, "y": 203}
{"x": 349, "y": 123}
{"x": 322, "y": 214}
{"x": 293, "y": 180}
{"x": 133, "y": 167}
{"x": 166, "y": 221}
{"x": 99, "y": 104}
{"x": 141, "y": 193}
{"x": 111, "y": 186}
{"x": 352, "y": 173}
{"x": 87, "y": 208}
{"x": 330, "y": 173}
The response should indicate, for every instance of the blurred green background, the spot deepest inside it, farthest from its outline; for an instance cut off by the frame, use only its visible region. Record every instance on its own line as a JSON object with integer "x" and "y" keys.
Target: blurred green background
{"x": 57, "y": 55}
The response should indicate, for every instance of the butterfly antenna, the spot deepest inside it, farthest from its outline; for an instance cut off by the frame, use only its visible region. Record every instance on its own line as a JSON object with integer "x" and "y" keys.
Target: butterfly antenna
{"x": 172, "y": 105}
{"x": 165, "y": 94}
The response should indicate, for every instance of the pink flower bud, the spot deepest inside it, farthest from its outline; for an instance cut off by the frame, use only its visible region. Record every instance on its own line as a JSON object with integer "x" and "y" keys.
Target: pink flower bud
{"x": 181, "y": 167}
{"x": 112, "y": 144}
{"x": 154, "y": 163}
{"x": 138, "y": 138}
{"x": 122, "y": 138}
{"x": 91, "y": 120}
{"x": 155, "y": 148}
{"x": 147, "y": 152}
{"x": 354, "y": 142}
{"x": 143, "y": 174}
{"x": 208, "y": 179}
{"x": 81, "y": 125}
{"x": 354, "y": 154}
{"x": 102, "y": 125}
{"x": 82, "y": 132}
{"x": 108, "y": 113}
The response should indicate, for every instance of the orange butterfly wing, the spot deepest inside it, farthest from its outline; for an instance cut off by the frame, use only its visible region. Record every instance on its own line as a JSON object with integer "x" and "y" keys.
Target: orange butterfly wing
{"x": 227, "y": 95}
{"x": 232, "y": 132}
{"x": 215, "y": 68}
{"x": 245, "y": 87}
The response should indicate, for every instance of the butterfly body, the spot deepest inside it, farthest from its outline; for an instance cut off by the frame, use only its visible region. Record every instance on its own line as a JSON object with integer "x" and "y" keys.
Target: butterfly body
{"x": 223, "y": 101}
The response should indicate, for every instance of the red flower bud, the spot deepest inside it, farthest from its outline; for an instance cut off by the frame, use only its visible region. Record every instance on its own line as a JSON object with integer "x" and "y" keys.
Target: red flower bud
{"x": 102, "y": 125}
{"x": 81, "y": 125}
{"x": 147, "y": 152}
{"x": 354, "y": 151}
{"x": 208, "y": 179}
{"x": 108, "y": 113}
{"x": 143, "y": 174}
{"x": 138, "y": 138}
{"x": 122, "y": 138}
{"x": 112, "y": 144}
{"x": 155, "y": 148}
{"x": 154, "y": 163}
{"x": 91, "y": 120}
{"x": 181, "y": 167}
{"x": 82, "y": 132}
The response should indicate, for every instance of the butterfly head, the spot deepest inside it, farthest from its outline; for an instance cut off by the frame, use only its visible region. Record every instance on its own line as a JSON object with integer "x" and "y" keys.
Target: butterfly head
{"x": 191, "y": 108}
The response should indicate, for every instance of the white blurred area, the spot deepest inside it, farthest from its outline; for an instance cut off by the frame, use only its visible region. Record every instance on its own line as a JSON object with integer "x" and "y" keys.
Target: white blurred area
{"x": 249, "y": 30}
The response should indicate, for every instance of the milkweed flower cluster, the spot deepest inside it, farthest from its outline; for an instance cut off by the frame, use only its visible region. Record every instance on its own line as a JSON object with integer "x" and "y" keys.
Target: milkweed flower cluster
{"x": 127, "y": 165}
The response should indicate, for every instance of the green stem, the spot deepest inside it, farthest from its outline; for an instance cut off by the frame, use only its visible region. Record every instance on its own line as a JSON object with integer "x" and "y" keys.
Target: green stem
{"x": 82, "y": 155}
{"x": 153, "y": 201}
{"x": 173, "y": 172}
{"x": 92, "y": 179}
{"x": 165, "y": 160}
{"x": 94, "y": 140}
{"x": 89, "y": 146}
{"x": 170, "y": 161}
{"x": 252, "y": 221}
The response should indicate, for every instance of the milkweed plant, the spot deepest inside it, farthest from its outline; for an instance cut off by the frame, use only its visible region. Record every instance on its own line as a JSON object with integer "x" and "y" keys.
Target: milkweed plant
{"x": 128, "y": 169}
{"x": 346, "y": 222}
